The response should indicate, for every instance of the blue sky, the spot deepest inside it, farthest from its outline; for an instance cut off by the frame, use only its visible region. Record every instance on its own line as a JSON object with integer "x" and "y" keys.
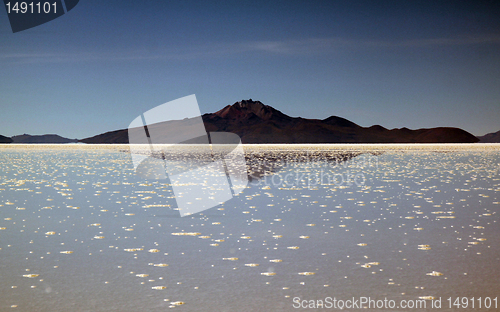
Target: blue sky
{"x": 394, "y": 63}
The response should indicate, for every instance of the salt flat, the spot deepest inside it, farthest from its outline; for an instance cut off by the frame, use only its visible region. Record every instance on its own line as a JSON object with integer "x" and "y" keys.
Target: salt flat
{"x": 81, "y": 231}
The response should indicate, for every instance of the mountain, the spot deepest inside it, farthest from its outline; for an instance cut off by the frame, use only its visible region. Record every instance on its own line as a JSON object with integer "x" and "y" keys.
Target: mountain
{"x": 4, "y": 139}
{"x": 490, "y": 138}
{"x": 45, "y": 138}
{"x": 255, "y": 122}
{"x": 111, "y": 137}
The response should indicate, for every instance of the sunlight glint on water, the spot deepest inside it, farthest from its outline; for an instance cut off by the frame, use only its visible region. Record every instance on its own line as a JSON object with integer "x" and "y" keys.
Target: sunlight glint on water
{"x": 79, "y": 231}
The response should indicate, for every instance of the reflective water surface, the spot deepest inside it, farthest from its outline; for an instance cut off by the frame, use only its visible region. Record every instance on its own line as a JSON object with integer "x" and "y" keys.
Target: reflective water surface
{"x": 80, "y": 231}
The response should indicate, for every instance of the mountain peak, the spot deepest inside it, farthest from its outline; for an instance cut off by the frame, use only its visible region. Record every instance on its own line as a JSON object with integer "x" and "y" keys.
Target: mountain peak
{"x": 249, "y": 104}
{"x": 247, "y": 109}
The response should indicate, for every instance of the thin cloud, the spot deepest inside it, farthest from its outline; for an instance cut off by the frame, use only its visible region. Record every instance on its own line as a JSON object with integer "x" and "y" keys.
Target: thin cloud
{"x": 308, "y": 46}
{"x": 330, "y": 44}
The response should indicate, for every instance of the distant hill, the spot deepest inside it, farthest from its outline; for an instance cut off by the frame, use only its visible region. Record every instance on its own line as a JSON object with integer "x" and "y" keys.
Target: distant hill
{"x": 4, "y": 139}
{"x": 255, "y": 122}
{"x": 45, "y": 138}
{"x": 490, "y": 138}
{"x": 111, "y": 137}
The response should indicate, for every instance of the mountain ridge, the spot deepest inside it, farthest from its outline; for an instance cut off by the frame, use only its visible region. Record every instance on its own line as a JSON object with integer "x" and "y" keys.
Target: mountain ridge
{"x": 4, "y": 139}
{"x": 42, "y": 139}
{"x": 493, "y": 137}
{"x": 255, "y": 122}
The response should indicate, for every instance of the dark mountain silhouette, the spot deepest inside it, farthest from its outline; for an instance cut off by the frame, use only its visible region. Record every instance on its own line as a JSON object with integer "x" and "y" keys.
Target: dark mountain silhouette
{"x": 4, "y": 139}
{"x": 45, "y": 138}
{"x": 490, "y": 138}
{"x": 111, "y": 137}
{"x": 255, "y": 122}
